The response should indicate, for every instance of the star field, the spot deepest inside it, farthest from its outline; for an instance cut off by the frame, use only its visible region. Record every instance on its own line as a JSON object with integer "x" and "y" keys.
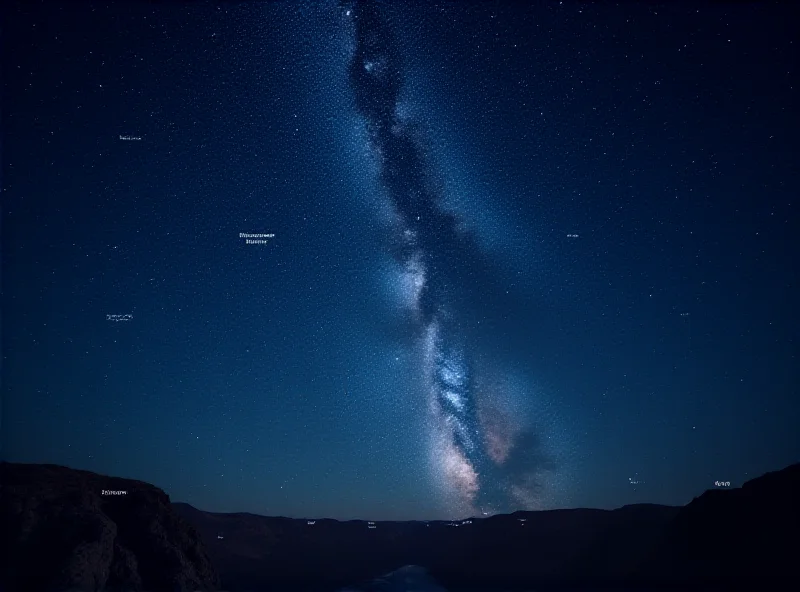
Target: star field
{"x": 513, "y": 257}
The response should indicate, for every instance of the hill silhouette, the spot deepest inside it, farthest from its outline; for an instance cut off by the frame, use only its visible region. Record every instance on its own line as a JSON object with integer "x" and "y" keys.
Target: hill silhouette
{"x": 62, "y": 533}
{"x": 66, "y": 529}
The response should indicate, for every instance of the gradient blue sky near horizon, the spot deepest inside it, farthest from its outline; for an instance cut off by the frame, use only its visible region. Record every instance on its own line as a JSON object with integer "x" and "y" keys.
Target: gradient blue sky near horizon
{"x": 639, "y": 361}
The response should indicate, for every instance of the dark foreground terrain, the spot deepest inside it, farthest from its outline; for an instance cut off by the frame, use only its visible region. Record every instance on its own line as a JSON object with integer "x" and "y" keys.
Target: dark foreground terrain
{"x": 60, "y": 532}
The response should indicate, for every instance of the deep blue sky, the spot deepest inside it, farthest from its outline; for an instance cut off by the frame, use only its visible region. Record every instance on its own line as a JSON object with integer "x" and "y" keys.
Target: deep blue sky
{"x": 423, "y": 337}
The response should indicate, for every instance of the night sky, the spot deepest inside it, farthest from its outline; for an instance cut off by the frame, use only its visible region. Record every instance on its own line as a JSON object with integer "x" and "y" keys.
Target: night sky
{"x": 517, "y": 257}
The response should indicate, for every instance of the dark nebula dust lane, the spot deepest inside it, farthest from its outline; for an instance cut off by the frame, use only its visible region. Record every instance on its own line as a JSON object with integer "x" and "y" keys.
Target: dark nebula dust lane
{"x": 482, "y": 457}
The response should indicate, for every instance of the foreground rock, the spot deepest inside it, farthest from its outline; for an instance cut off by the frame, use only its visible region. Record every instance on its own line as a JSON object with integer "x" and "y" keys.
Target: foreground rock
{"x": 64, "y": 529}
{"x": 747, "y": 534}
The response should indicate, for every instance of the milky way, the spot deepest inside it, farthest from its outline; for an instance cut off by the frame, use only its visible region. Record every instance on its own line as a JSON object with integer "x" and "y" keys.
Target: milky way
{"x": 483, "y": 457}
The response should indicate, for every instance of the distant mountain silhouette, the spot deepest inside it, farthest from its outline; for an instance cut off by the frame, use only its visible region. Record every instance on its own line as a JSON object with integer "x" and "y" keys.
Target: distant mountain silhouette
{"x": 724, "y": 539}
{"x": 60, "y": 533}
{"x": 257, "y": 552}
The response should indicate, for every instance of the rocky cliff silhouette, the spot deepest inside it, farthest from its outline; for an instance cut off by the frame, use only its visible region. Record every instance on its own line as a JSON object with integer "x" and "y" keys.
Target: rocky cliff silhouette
{"x": 65, "y": 529}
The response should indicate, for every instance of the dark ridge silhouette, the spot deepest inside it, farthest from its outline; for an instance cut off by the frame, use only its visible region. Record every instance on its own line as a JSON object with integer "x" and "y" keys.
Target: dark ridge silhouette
{"x": 724, "y": 539}
{"x": 59, "y": 533}
{"x": 741, "y": 534}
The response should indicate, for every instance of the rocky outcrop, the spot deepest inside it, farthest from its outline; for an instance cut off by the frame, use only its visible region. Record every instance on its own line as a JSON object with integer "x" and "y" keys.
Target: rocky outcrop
{"x": 743, "y": 534}
{"x": 65, "y": 529}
